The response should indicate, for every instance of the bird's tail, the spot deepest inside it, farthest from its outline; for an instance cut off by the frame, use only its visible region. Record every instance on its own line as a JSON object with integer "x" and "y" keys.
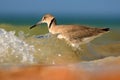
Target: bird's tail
{"x": 106, "y": 29}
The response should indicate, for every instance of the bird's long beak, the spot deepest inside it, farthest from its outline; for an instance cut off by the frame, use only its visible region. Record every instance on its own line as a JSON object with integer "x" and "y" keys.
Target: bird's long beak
{"x": 36, "y": 24}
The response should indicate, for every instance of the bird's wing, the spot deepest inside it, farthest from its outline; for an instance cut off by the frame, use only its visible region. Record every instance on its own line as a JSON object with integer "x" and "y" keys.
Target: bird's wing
{"x": 81, "y": 32}
{"x": 70, "y": 28}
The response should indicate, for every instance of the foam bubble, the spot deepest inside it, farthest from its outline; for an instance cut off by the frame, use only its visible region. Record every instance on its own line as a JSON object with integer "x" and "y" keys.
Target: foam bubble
{"x": 13, "y": 49}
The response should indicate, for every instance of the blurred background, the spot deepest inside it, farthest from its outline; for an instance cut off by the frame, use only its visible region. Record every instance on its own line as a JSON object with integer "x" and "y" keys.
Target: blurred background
{"x": 102, "y": 12}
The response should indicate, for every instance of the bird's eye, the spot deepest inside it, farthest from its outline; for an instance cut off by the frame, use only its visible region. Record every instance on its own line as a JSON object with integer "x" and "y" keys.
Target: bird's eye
{"x": 44, "y": 18}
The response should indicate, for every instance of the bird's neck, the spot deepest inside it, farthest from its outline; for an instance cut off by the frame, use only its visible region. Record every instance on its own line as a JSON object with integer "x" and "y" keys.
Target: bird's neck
{"x": 52, "y": 23}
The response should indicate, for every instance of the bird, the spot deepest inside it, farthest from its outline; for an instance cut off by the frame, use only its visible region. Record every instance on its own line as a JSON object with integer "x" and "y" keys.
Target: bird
{"x": 75, "y": 35}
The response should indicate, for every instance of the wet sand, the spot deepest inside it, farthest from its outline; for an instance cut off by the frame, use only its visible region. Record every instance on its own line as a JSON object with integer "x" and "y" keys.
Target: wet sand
{"x": 104, "y": 69}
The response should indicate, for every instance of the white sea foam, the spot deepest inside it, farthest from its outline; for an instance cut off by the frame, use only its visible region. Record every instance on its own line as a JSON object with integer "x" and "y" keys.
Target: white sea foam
{"x": 13, "y": 49}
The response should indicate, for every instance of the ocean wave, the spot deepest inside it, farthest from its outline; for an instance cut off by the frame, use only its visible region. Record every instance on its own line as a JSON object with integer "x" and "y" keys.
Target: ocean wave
{"x": 13, "y": 49}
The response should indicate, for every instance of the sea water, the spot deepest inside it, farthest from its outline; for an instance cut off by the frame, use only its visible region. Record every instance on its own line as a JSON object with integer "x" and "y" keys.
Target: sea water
{"x": 18, "y": 44}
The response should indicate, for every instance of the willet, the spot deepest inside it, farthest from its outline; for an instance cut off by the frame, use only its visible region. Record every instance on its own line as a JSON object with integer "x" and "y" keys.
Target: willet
{"x": 75, "y": 35}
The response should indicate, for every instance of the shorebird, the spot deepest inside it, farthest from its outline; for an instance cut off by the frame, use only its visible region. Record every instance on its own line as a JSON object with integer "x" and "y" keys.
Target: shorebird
{"x": 75, "y": 35}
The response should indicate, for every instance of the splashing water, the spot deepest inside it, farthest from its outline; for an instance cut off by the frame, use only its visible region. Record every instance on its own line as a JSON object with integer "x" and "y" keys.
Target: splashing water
{"x": 43, "y": 49}
{"x": 47, "y": 49}
{"x": 14, "y": 50}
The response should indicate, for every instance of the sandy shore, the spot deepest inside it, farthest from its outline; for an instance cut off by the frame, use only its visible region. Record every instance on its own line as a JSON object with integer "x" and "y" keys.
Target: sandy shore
{"x": 104, "y": 69}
